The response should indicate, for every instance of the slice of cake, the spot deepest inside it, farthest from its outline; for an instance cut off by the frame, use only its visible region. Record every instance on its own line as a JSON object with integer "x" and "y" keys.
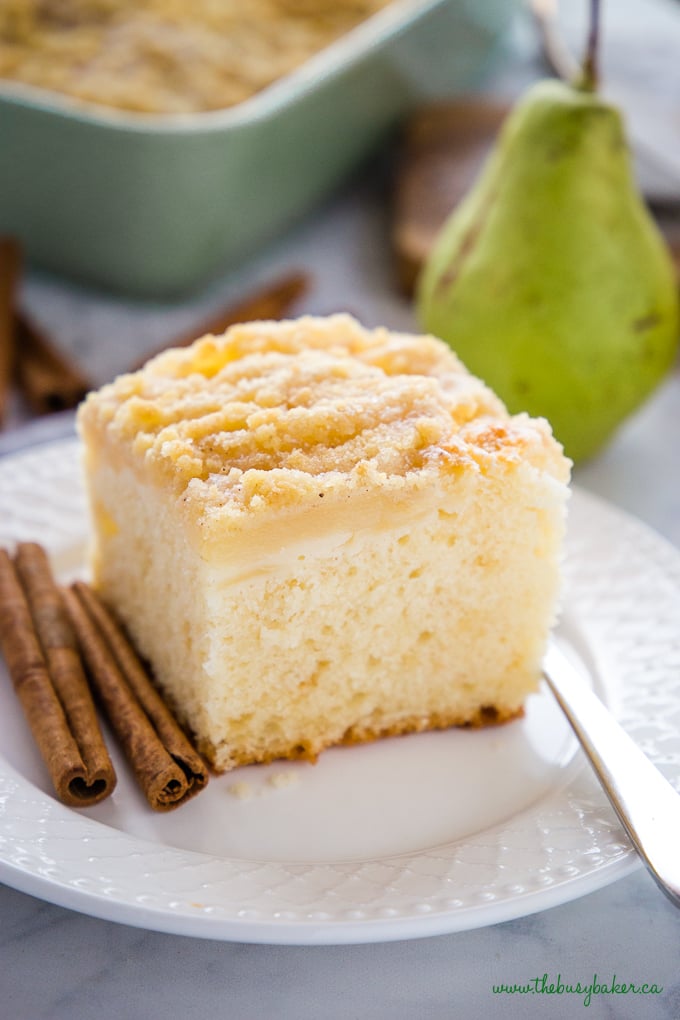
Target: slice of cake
{"x": 319, "y": 534}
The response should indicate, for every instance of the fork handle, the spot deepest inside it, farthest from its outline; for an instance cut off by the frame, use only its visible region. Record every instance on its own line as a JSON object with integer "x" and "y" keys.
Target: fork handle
{"x": 647, "y": 805}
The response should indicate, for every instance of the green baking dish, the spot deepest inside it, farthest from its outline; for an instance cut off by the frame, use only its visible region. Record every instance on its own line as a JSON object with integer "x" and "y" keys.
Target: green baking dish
{"x": 154, "y": 205}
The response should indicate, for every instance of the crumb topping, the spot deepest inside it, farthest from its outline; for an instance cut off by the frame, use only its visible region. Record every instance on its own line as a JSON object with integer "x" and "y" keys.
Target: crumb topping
{"x": 167, "y": 56}
{"x": 278, "y": 412}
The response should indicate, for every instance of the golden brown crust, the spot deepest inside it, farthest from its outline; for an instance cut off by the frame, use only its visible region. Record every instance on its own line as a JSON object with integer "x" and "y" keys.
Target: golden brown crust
{"x": 484, "y": 717}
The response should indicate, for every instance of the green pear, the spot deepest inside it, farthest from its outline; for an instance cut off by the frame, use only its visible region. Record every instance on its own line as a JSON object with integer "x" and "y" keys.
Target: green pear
{"x": 550, "y": 280}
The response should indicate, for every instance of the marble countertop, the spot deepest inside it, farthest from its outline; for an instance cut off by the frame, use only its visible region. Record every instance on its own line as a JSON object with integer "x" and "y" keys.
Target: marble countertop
{"x": 57, "y": 964}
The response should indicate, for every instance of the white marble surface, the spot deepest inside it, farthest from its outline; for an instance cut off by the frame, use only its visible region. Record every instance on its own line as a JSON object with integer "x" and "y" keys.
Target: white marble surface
{"x": 57, "y": 964}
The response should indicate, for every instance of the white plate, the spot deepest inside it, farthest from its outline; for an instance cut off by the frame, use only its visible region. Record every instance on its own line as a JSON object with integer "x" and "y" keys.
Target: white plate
{"x": 402, "y": 838}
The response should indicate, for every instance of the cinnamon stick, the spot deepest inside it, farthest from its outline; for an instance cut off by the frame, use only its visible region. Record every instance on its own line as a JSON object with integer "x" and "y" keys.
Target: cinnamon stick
{"x": 39, "y": 646}
{"x": 48, "y": 379}
{"x": 271, "y": 302}
{"x": 10, "y": 268}
{"x": 166, "y": 765}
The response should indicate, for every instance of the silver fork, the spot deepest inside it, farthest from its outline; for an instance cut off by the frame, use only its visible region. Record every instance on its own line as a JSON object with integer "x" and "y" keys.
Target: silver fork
{"x": 646, "y": 803}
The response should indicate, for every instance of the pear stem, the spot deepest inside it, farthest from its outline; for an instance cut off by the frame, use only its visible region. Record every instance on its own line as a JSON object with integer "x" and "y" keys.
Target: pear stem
{"x": 589, "y": 79}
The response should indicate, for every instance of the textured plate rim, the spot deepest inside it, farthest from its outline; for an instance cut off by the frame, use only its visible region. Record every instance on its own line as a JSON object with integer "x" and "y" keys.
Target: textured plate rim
{"x": 425, "y": 916}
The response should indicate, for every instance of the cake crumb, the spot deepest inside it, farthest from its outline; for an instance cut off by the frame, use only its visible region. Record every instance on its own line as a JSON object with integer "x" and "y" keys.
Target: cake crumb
{"x": 242, "y": 791}
{"x": 280, "y": 780}
{"x": 299, "y": 623}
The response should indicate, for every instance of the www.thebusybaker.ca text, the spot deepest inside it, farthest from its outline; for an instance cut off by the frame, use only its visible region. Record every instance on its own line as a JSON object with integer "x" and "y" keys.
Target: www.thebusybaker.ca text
{"x": 546, "y": 986}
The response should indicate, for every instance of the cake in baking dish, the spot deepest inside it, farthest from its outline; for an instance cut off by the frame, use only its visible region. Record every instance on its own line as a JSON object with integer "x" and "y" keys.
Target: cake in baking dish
{"x": 318, "y": 534}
